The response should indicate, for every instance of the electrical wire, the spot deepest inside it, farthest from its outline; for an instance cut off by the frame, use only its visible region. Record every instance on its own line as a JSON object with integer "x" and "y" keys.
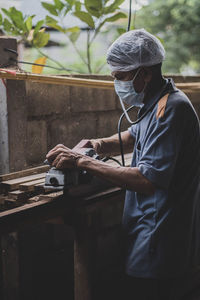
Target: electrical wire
{"x": 119, "y": 134}
{"x": 41, "y": 65}
{"x": 35, "y": 64}
{"x": 111, "y": 158}
{"x": 129, "y": 15}
{"x": 125, "y": 113}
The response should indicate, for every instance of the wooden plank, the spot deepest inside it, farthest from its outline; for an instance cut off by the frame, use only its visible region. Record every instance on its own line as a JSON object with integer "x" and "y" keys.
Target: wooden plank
{"x": 9, "y": 200}
{"x": 33, "y": 199}
{"x": 52, "y": 195}
{"x": 60, "y": 80}
{"x": 29, "y": 186}
{"x": 39, "y": 188}
{"x": 24, "y": 173}
{"x": 18, "y": 195}
{"x": 13, "y": 184}
{"x": 32, "y": 213}
{"x": 82, "y": 82}
{"x": 10, "y": 204}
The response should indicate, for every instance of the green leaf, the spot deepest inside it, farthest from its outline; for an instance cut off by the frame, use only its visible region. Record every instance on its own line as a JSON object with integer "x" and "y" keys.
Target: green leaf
{"x": 41, "y": 39}
{"x": 112, "y": 8}
{"x": 100, "y": 25}
{"x": 85, "y": 17}
{"x": 116, "y": 17}
{"x": 94, "y": 7}
{"x": 6, "y": 12}
{"x": 50, "y": 7}
{"x": 68, "y": 8}
{"x": 29, "y": 23}
{"x": 73, "y": 29}
{"x": 7, "y": 25}
{"x": 9, "y": 28}
{"x": 121, "y": 30}
{"x": 16, "y": 17}
{"x": 38, "y": 26}
{"x": 51, "y": 22}
{"x": 59, "y": 5}
{"x": 1, "y": 19}
{"x": 74, "y": 36}
{"x": 70, "y": 2}
{"x": 78, "y": 6}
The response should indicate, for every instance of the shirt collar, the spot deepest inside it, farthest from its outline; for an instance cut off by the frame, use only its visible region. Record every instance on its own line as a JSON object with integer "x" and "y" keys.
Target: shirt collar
{"x": 169, "y": 87}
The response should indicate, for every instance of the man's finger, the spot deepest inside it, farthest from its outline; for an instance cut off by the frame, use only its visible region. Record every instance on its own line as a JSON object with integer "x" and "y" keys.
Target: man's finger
{"x": 51, "y": 154}
{"x": 60, "y": 163}
{"x": 59, "y": 146}
{"x": 58, "y": 157}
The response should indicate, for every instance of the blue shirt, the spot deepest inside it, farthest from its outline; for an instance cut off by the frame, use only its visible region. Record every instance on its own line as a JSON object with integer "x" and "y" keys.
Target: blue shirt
{"x": 163, "y": 230}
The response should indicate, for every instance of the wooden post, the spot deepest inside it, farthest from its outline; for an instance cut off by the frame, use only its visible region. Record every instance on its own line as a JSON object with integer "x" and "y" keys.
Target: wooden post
{"x": 17, "y": 124}
{"x": 5, "y": 55}
{"x": 10, "y": 266}
{"x": 4, "y": 149}
{"x": 83, "y": 264}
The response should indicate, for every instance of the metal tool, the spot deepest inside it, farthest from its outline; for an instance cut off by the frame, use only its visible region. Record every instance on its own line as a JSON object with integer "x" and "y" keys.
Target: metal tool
{"x": 63, "y": 179}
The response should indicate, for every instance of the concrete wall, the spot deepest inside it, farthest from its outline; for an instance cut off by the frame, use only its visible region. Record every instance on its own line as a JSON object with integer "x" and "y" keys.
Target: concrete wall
{"x": 53, "y": 114}
{"x": 43, "y": 115}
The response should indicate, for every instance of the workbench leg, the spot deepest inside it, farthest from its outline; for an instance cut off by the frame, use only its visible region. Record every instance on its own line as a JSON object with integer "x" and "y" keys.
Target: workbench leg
{"x": 10, "y": 266}
{"x": 84, "y": 251}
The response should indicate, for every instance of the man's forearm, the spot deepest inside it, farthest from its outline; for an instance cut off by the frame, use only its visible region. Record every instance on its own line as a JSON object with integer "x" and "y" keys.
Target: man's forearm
{"x": 128, "y": 178}
{"x": 111, "y": 146}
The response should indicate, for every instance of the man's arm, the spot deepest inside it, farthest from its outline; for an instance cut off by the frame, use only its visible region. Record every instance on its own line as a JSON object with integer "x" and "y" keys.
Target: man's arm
{"x": 126, "y": 177}
{"x": 62, "y": 157}
{"x": 111, "y": 146}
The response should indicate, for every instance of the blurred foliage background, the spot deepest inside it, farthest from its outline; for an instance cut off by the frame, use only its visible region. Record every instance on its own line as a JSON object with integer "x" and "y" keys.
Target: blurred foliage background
{"x": 177, "y": 23}
{"x": 82, "y": 47}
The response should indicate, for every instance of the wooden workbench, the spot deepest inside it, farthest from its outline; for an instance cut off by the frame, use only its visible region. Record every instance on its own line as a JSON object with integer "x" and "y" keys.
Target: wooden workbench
{"x": 87, "y": 208}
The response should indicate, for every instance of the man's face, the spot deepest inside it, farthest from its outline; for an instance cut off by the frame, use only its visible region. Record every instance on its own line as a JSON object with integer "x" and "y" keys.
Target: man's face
{"x": 138, "y": 82}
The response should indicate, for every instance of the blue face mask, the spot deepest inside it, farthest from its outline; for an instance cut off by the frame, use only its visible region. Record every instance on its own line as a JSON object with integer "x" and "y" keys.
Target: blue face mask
{"x": 126, "y": 92}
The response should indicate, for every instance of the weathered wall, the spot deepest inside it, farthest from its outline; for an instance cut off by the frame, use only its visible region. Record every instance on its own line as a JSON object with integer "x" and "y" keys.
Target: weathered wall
{"x": 43, "y": 115}
{"x": 62, "y": 114}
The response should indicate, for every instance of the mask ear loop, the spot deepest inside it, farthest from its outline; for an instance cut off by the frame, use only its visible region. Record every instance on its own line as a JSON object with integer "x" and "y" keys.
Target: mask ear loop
{"x": 125, "y": 113}
{"x": 122, "y": 104}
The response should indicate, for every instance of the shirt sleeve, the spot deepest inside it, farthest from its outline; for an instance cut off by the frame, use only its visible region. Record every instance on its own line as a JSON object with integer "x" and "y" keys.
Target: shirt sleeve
{"x": 162, "y": 146}
{"x": 133, "y": 130}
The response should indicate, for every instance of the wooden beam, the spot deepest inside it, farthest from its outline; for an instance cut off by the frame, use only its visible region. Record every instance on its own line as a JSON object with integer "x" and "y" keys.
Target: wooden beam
{"x": 52, "y": 195}
{"x": 18, "y": 195}
{"x": 14, "y": 184}
{"x": 59, "y": 80}
{"x": 29, "y": 186}
{"x": 82, "y": 82}
{"x": 23, "y": 173}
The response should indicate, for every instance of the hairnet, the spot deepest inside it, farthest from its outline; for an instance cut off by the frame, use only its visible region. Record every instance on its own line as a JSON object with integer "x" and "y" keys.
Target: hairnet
{"x": 133, "y": 49}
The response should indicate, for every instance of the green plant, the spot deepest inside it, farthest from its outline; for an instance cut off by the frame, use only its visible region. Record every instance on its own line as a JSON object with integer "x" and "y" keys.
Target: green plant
{"x": 94, "y": 13}
{"x": 178, "y": 23}
{"x": 15, "y": 23}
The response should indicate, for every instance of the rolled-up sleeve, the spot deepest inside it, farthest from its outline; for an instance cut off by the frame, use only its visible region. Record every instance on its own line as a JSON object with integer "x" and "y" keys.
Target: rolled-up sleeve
{"x": 133, "y": 130}
{"x": 161, "y": 148}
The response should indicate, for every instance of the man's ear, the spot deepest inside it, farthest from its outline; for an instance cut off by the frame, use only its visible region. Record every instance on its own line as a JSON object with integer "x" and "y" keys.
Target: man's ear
{"x": 147, "y": 73}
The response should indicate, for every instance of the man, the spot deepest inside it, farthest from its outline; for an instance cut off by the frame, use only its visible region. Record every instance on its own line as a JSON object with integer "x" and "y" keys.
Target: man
{"x": 161, "y": 213}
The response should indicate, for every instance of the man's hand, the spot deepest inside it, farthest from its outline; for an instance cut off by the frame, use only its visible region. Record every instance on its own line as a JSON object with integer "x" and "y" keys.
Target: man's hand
{"x": 97, "y": 144}
{"x": 62, "y": 157}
